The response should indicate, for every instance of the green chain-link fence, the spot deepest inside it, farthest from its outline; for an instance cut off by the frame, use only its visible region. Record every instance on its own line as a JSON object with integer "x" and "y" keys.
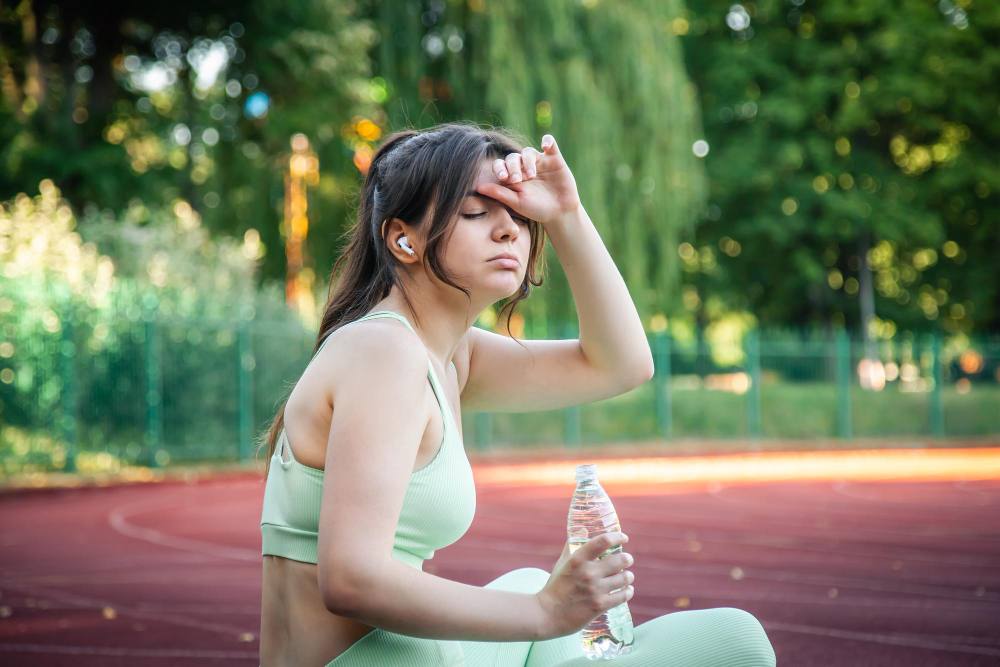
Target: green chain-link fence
{"x": 149, "y": 390}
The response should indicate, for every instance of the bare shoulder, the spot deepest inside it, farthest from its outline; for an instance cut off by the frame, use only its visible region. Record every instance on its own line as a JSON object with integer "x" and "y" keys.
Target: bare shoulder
{"x": 372, "y": 345}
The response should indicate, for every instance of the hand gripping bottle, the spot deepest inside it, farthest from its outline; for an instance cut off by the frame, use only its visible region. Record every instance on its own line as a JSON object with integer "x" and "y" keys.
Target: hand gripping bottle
{"x": 591, "y": 514}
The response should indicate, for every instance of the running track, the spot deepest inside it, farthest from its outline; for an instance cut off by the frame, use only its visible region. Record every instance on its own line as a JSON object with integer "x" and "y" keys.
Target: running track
{"x": 839, "y": 572}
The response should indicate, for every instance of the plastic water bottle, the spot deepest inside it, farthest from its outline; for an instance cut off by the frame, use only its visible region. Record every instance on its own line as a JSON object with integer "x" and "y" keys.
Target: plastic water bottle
{"x": 591, "y": 514}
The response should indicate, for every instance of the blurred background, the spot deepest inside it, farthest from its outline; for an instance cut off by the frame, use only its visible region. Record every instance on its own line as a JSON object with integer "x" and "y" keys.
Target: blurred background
{"x": 802, "y": 198}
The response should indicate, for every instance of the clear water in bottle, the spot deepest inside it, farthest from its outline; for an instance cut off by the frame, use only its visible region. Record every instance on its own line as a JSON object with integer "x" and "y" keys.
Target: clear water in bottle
{"x": 591, "y": 514}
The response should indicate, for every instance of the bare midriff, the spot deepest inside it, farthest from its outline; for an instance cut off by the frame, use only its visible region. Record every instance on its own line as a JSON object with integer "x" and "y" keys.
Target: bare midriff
{"x": 296, "y": 628}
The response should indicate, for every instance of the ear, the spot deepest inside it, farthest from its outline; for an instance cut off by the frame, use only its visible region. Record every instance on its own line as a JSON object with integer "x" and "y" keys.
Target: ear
{"x": 395, "y": 229}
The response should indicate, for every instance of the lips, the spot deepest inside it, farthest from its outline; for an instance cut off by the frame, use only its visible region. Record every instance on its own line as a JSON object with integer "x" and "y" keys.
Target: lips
{"x": 506, "y": 255}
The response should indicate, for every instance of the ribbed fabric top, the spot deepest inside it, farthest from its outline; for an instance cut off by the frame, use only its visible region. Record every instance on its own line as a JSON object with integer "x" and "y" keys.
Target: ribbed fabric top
{"x": 438, "y": 507}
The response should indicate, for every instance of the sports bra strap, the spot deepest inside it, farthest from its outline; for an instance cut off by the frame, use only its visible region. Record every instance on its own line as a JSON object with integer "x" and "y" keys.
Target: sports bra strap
{"x": 368, "y": 316}
{"x": 401, "y": 318}
{"x": 435, "y": 383}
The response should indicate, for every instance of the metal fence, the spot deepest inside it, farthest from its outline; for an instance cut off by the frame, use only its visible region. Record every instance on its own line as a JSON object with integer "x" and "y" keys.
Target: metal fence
{"x": 144, "y": 390}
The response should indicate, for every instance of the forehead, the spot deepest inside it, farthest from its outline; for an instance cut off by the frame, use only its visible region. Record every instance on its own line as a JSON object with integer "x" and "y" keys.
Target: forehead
{"x": 486, "y": 175}
{"x": 486, "y": 170}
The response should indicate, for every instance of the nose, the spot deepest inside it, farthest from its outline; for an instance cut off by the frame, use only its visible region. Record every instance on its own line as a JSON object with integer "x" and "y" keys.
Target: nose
{"x": 509, "y": 228}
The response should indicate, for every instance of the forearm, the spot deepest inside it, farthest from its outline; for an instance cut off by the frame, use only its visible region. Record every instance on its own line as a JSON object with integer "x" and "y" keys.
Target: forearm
{"x": 611, "y": 332}
{"x": 411, "y": 602}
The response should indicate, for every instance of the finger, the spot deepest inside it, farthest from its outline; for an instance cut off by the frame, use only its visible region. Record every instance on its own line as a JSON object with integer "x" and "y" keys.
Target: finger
{"x": 595, "y": 547}
{"x": 500, "y": 168}
{"x": 501, "y": 193}
{"x": 514, "y": 167}
{"x": 618, "y": 597}
{"x": 616, "y": 563}
{"x": 617, "y": 581}
{"x": 549, "y": 146}
{"x": 528, "y": 157}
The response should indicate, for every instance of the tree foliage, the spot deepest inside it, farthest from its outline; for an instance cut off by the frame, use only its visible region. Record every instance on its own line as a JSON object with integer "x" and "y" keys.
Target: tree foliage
{"x": 139, "y": 104}
{"x": 839, "y": 136}
{"x": 163, "y": 103}
{"x": 841, "y": 131}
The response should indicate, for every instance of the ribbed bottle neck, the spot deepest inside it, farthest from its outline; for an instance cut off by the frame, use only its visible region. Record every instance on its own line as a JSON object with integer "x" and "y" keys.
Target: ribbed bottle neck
{"x": 586, "y": 474}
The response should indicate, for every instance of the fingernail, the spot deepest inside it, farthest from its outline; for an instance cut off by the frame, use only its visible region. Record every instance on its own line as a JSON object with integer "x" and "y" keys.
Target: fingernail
{"x": 531, "y": 173}
{"x": 631, "y": 577}
{"x": 503, "y": 174}
{"x": 516, "y": 178}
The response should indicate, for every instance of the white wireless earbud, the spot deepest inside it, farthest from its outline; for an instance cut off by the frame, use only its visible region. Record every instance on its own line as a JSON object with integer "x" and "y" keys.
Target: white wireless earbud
{"x": 405, "y": 245}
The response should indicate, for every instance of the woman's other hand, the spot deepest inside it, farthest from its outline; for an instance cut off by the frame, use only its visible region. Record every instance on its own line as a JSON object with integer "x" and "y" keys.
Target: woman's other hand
{"x": 580, "y": 586}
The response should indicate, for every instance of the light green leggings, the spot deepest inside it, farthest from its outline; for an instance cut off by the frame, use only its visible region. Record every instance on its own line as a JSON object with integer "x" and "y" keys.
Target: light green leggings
{"x": 721, "y": 637}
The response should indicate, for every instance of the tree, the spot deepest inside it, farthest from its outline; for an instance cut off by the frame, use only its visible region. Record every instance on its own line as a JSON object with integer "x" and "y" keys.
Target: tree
{"x": 842, "y": 131}
{"x": 122, "y": 104}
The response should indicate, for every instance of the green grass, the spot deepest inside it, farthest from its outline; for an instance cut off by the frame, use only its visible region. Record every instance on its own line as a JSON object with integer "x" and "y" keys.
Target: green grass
{"x": 790, "y": 411}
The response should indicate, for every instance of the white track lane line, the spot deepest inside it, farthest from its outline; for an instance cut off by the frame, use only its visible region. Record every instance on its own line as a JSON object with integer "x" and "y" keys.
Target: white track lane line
{"x": 943, "y": 640}
{"x": 124, "y": 563}
{"x": 755, "y": 572}
{"x": 87, "y": 602}
{"x": 932, "y": 556}
{"x": 112, "y": 652}
{"x": 844, "y": 531}
{"x": 983, "y": 497}
{"x": 118, "y": 519}
{"x": 715, "y": 489}
{"x": 877, "y": 638}
{"x": 844, "y": 487}
{"x": 731, "y": 537}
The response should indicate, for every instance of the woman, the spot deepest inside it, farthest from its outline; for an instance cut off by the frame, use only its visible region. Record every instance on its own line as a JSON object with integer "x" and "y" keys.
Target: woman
{"x": 367, "y": 474}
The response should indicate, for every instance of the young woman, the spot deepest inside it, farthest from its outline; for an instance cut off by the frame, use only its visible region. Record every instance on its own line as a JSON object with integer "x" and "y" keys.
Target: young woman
{"x": 367, "y": 475}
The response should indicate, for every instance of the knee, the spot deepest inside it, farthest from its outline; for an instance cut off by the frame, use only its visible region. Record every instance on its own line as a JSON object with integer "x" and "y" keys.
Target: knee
{"x": 754, "y": 646}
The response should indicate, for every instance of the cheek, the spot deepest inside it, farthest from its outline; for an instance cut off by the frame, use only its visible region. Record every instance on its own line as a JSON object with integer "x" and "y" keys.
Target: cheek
{"x": 525, "y": 245}
{"x": 463, "y": 248}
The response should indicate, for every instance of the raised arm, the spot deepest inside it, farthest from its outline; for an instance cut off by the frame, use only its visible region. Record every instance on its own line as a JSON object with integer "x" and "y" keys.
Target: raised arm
{"x": 378, "y": 421}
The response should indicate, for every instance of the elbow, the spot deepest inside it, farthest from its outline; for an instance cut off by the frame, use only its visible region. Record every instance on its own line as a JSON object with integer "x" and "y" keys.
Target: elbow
{"x": 342, "y": 595}
{"x": 645, "y": 367}
{"x": 643, "y": 374}
{"x": 339, "y": 601}
{"x": 635, "y": 379}
{"x": 648, "y": 371}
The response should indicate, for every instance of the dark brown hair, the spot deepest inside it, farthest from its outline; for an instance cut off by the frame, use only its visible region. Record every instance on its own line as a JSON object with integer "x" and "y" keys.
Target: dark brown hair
{"x": 417, "y": 173}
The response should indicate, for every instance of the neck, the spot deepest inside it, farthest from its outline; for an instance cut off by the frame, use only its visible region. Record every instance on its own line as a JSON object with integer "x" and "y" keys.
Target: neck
{"x": 442, "y": 324}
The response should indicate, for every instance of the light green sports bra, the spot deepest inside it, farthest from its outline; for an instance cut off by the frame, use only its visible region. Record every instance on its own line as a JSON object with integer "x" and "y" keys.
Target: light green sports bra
{"x": 438, "y": 507}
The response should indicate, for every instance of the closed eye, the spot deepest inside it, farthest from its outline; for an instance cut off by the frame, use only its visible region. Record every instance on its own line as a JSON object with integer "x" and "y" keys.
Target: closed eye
{"x": 479, "y": 215}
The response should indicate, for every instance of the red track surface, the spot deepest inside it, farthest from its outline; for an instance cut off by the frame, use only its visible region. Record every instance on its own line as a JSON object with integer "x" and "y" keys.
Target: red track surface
{"x": 839, "y": 573}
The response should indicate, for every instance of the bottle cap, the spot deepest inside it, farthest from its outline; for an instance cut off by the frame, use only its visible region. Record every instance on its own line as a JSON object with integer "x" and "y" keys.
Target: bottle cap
{"x": 586, "y": 472}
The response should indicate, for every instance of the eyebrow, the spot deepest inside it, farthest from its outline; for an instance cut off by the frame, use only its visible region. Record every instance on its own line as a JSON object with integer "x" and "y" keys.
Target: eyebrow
{"x": 473, "y": 193}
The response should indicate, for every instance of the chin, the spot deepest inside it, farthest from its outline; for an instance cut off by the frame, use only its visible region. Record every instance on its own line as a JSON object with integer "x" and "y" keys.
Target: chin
{"x": 500, "y": 291}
